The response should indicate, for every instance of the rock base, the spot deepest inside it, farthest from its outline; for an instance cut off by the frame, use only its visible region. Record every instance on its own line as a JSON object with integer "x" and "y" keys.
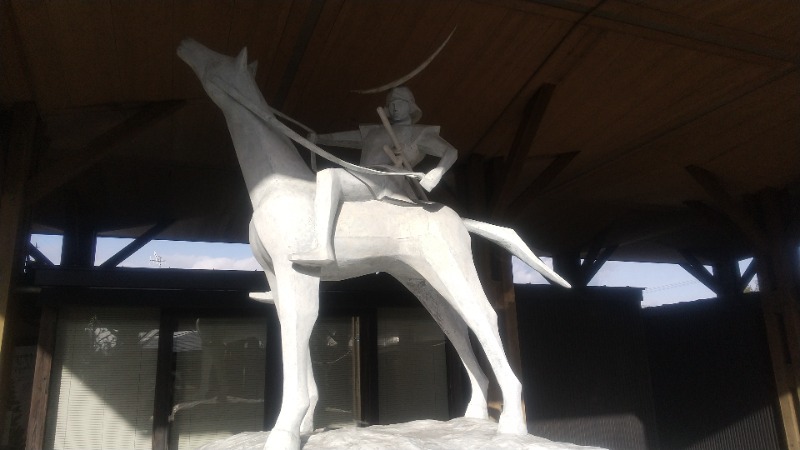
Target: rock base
{"x": 456, "y": 434}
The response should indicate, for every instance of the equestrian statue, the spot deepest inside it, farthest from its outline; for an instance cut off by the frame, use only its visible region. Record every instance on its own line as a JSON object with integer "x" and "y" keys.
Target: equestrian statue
{"x": 354, "y": 220}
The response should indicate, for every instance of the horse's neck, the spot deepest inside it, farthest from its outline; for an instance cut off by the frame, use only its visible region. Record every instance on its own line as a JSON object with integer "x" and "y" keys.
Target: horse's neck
{"x": 264, "y": 154}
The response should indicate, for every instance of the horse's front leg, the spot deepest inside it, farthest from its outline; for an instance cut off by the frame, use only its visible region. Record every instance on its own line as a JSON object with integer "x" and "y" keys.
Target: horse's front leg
{"x": 307, "y": 425}
{"x": 298, "y": 305}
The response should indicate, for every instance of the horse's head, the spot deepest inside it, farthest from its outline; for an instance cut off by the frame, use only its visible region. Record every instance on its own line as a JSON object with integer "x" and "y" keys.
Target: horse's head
{"x": 210, "y": 66}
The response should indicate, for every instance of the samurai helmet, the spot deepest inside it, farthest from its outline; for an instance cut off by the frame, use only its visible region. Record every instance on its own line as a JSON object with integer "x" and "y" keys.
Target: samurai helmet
{"x": 404, "y": 93}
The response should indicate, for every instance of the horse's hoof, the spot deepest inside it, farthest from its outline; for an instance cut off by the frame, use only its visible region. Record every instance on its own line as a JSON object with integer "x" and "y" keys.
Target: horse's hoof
{"x": 476, "y": 411}
{"x": 511, "y": 425}
{"x": 282, "y": 440}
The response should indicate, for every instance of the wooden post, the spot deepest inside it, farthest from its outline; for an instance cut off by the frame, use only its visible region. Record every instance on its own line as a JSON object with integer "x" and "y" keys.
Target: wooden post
{"x": 13, "y": 228}
{"x": 728, "y": 277}
{"x": 568, "y": 265}
{"x": 778, "y": 268}
{"x": 41, "y": 379}
{"x": 767, "y": 228}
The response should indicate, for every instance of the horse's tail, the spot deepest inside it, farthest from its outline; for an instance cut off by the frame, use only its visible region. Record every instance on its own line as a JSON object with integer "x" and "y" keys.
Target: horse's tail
{"x": 510, "y": 240}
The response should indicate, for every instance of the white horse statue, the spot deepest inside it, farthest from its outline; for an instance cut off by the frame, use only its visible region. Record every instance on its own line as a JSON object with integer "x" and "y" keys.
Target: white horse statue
{"x": 426, "y": 247}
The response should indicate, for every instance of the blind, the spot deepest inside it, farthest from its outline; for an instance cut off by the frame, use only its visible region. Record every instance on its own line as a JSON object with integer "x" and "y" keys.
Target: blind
{"x": 219, "y": 379}
{"x": 412, "y": 369}
{"x": 334, "y": 357}
{"x": 103, "y": 378}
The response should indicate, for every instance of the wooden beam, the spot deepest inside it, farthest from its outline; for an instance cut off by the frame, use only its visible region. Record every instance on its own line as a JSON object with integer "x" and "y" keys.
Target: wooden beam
{"x": 298, "y": 52}
{"x": 591, "y": 270}
{"x": 568, "y": 265}
{"x": 778, "y": 267}
{"x": 727, "y": 205}
{"x": 38, "y": 256}
{"x": 698, "y": 270}
{"x": 727, "y": 277}
{"x": 520, "y": 148}
{"x": 55, "y": 176}
{"x": 40, "y": 390}
{"x": 716, "y": 217}
{"x": 748, "y": 275}
{"x": 13, "y": 225}
{"x": 79, "y": 243}
{"x": 652, "y": 24}
{"x": 779, "y": 285}
{"x": 137, "y": 244}
{"x": 570, "y": 42}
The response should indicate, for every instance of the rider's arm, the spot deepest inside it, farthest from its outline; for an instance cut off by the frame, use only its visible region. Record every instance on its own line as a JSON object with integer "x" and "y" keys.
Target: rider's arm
{"x": 344, "y": 139}
{"x": 434, "y": 145}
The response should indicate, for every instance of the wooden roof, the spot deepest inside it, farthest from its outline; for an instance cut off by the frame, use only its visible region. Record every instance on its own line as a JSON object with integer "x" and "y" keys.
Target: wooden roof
{"x": 630, "y": 94}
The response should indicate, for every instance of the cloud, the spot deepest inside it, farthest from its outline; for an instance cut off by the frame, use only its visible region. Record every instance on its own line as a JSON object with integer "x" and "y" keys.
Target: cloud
{"x": 522, "y": 274}
{"x": 223, "y": 263}
{"x": 187, "y": 261}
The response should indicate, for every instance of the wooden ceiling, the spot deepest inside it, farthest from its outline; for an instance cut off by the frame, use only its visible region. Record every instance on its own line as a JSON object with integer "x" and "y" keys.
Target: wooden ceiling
{"x": 630, "y": 94}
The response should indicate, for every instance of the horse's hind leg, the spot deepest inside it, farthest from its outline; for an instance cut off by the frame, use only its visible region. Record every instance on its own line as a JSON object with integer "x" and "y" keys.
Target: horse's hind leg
{"x": 457, "y": 332}
{"x": 455, "y": 277}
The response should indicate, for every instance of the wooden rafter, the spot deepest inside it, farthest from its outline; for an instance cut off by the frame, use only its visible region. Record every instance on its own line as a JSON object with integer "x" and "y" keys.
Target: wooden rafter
{"x": 51, "y": 178}
{"x": 137, "y": 244}
{"x": 521, "y": 147}
{"x": 38, "y": 256}
{"x": 748, "y": 275}
{"x": 301, "y": 43}
{"x": 597, "y": 254}
{"x": 727, "y": 205}
{"x": 590, "y": 267}
{"x": 698, "y": 270}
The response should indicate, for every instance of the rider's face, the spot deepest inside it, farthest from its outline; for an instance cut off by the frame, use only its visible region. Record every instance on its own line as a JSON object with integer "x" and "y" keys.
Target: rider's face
{"x": 399, "y": 110}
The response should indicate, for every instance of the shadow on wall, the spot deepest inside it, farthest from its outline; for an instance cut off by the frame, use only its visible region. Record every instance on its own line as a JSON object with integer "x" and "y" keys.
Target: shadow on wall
{"x": 585, "y": 367}
{"x": 600, "y": 370}
{"x": 712, "y": 376}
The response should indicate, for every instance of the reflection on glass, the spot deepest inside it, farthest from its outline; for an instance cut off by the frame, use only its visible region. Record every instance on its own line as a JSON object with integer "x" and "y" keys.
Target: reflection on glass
{"x": 412, "y": 368}
{"x": 219, "y": 379}
{"x": 102, "y": 380}
{"x": 334, "y": 357}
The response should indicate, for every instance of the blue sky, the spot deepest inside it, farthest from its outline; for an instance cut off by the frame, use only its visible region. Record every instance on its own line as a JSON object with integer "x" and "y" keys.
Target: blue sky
{"x": 662, "y": 283}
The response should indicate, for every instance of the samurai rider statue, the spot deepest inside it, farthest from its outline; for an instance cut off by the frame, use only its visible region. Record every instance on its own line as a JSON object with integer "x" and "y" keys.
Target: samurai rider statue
{"x": 396, "y": 145}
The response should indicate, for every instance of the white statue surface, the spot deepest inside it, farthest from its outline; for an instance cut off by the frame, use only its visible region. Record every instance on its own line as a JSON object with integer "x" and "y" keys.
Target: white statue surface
{"x": 426, "y": 246}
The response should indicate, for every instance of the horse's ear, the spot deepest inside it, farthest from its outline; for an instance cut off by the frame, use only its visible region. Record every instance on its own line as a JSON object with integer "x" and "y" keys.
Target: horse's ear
{"x": 252, "y": 68}
{"x": 241, "y": 60}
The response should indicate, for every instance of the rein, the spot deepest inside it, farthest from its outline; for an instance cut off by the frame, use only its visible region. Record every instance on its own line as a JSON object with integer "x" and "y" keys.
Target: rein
{"x": 270, "y": 120}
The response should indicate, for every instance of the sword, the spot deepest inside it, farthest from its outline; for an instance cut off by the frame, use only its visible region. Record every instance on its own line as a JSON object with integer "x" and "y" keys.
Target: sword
{"x": 397, "y": 155}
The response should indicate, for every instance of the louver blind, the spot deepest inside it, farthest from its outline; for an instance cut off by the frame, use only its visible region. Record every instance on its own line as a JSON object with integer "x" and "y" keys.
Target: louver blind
{"x": 412, "y": 369}
{"x": 334, "y": 358}
{"x": 101, "y": 392}
{"x": 219, "y": 379}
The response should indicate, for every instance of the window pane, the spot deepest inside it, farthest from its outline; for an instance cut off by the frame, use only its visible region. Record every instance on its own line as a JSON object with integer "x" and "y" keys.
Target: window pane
{"x": 219, "y": 379}
{"x": 412, "y": 369}
{"x": 334, "y": 358}
{"x": 103, "y": 378}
